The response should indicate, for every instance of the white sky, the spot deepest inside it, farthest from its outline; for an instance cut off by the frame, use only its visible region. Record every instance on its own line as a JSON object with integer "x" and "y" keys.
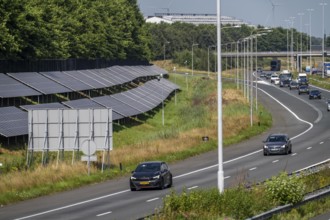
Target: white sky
{"x": 252, "y": 11}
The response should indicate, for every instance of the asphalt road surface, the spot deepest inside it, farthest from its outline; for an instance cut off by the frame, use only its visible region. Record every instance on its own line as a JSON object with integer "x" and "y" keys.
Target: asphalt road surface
{"x": 306, "y": 121}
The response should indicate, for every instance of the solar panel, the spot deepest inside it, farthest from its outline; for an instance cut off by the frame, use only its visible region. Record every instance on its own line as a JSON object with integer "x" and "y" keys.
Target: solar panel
{"x": 13, "y": 122}
{"x": 82, "y": 104}
{"x": 92, "y": 79}
{"x": 54, "y": 105}
{"x": 110, "y": 77}
{"x": 40, "y": 83}
{"x": 125, "y": 97}
{"x": 67, "y": 80}
{"x": 118, "y": 77}
{"x": 87, "y": 80}
{"x": 10, "y": 88}
{"x": 147, "y": 95}
{"x": 136, "y": 95}
{"x": 118, "y": 106}
{"x": 121, "y": 71}
{"x": 95, "y": 73}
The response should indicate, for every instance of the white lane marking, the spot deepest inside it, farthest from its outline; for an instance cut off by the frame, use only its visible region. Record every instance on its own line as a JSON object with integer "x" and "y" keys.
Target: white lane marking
{"x": 322, "y": 142}
{"x": 294, "y": 154}
{"x": 193, "y": 187}
{"x": 72, "y": 205}
{"x": 227, "y": 177}
{"x": 154, "y": 199}
{"x": 275, "y": 161}
{"x": 308, "y": 148}
{"x": 294, "y": 114}
{"x": 106, "y": 213}
{"x": 254, "y": 168}
{"x": 320, "y": 115}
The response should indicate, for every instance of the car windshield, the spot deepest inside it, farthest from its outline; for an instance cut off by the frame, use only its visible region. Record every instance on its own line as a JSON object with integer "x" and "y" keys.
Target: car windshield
{"x": 314, "y": 91}
{"x": 148, "y": 167}
{"x": 276, "y": 138}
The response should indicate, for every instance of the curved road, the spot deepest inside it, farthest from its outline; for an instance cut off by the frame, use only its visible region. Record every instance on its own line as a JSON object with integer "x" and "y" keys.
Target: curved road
{"x": 306, "y": 121}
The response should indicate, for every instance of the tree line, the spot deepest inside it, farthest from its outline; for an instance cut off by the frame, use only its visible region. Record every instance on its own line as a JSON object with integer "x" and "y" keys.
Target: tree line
{"x": 174, "y": 41}
{"x": 116, "y": 30}
{"x": 62, "y": 29}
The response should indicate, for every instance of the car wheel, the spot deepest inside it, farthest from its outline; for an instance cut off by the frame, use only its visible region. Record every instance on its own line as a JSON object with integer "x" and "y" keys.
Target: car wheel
{"x": 299, "y": 93}
{"x": 133, "y": 189}
{"x": 266, "y": 153}
{"x": 290, "y": 151}
{"x": 171, "y": 182}
{"x": 161, "y": 184}
{"x": 287, "y": 151}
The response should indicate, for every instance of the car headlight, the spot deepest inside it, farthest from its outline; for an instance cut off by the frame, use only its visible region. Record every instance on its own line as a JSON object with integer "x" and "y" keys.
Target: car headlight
{"x": 265, "y": 146}
{"x": 133, "y": 178}
{"x": 283, "y": 146}
{"x": 156, "y": 177}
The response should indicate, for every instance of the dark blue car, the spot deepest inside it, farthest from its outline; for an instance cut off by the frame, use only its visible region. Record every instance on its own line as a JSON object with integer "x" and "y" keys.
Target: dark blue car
{"x": 315, "y": 94}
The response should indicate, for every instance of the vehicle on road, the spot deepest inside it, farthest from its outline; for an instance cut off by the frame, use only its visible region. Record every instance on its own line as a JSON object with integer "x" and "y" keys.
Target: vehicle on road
{"x": 274, "y": 79}
{"x": 285, "y": 78}
{"x": 293, "y": 85}
{"x": 303, "y": 89}
{"x": 277, "y": 144}
{"x": 151, "y": 174}
{"x": 315, "y": 94}
{"x": 275, "y": 65}
{"x": 268, "y": 75}
{"x": 328, "y": 105}
{"x": 302, "y": 79}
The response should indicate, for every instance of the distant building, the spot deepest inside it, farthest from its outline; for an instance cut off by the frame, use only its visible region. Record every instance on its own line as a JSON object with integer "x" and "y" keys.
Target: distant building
{"x": 193, "y": 19}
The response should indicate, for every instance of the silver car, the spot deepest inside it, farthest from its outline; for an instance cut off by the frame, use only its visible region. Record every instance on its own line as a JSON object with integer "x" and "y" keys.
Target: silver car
{"x": 328, "y": 105}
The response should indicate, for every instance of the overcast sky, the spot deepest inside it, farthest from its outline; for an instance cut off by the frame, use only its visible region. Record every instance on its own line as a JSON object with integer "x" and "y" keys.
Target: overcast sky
{"x": 252, "y": 11}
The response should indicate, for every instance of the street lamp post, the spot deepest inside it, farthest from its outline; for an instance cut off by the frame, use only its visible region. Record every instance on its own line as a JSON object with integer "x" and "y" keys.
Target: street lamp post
{"x": 192, "y": 58}
{"x": 220, "y": 150}
{"x": 163, "y": 118}
{"x": 292, "y": 60}
{"x": 310, "y": 37}
{"x": 323, "y": 4}
{"x": 301, "y": 30}
{"x": 287, "y": 44}
{"x": 166, "y": 42}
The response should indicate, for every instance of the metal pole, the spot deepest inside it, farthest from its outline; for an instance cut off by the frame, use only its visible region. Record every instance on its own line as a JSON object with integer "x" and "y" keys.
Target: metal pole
{"x": 220, "y": 150}
{"x": 323, "y": 4}
{"x": 301, "y": 30}
{"x": 251, "y": 83}
{"x": 237, "y": 64}
{"x": 310, "y": 37}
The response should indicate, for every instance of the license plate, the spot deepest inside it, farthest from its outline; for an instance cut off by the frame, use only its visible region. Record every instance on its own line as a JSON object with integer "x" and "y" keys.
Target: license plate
{"x": 144, "y": 183}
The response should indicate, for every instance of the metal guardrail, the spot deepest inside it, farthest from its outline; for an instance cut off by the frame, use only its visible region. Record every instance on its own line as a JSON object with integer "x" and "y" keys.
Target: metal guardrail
{"x": 315, "y": 195}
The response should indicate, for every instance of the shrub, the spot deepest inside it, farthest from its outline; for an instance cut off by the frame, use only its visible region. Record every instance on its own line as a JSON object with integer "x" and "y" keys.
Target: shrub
{"x": 284, "y": 189}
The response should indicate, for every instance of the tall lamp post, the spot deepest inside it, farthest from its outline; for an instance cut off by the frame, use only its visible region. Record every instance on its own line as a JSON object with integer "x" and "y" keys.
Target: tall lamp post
{"x": 166, "y": 42}
{"x": 301, "y": 30}
{"x": 310, "y": 37}
{"x": 323, "y": 4}
{"x": 192, "y": 58}
{"x": 219, "y": 88}
{"x": 292, "y": 61}
{"x": 163, "y": 118}
{"x": 287, "y": 44}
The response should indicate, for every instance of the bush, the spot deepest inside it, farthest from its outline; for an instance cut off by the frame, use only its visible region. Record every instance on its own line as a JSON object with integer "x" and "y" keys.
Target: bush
{"x": 284, "y": 189}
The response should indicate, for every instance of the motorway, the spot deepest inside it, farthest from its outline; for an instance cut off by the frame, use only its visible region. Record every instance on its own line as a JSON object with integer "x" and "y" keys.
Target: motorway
{"x": 306, "y": 121}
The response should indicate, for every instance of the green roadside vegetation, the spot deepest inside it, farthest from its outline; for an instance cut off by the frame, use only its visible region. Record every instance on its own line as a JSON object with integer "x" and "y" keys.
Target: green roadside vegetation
{"x": 192, "y": 116}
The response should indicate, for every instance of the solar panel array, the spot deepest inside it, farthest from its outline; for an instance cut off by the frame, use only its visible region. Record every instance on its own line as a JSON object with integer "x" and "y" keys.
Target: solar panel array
{"x": 125, "y": 104}
{"x": 40, "y": 83}
{"x": 10, "y": 88}
{"x": 13, "y": 122}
